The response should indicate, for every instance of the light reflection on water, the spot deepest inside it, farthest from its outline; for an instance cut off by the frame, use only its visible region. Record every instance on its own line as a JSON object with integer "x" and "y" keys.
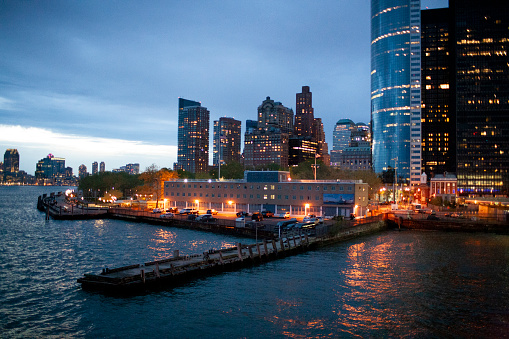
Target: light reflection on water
{"x": 414, "y": 284}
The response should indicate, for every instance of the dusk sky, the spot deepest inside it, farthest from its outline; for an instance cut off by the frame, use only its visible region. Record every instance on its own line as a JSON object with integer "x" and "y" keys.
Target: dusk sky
{"x": 100, "y": 80}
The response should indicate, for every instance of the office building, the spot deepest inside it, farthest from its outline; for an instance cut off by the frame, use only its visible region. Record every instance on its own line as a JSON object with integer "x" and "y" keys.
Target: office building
{"x": 95, "y": 167}
{"x": 304, "y": 114}
{"x": 341, "y": 137}
{"x": 465, "y": 91}
{"x": 321, "y": 145}
{"x": 395, "y": 87}
{"x": 193, "y": 136}
{"x": 437, "y": 92}
{"x": 50, "y": 167}
{"x": 227, "y": 141}
{"x": 272, "y": 191}
{"x": 357, "y": 156}
{"x": 268, "y": 143}
{"x": 482, "y": 96}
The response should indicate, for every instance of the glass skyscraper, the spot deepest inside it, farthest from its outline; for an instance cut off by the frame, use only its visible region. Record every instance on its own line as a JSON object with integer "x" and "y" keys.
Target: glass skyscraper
{"x": 193, "y": 136}
{"x": 395, "y": 87}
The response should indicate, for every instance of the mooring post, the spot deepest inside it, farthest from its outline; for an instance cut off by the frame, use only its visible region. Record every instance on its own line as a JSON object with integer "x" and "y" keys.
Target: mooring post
{"x": 172, "y": 268}
{"x": 258, "y": 249}
{"x": 294, "y": 242}
{"x": 274, "y": 246}
{"x": 250, "y": 251}
{"x": 221, "y": 258}
{"x": 265, "y": 247}
{"x": 239, "y": 250}
{"x": 282, "y": 244}
{"x": 156, "y": 271}
{"x": 142, "y": 273}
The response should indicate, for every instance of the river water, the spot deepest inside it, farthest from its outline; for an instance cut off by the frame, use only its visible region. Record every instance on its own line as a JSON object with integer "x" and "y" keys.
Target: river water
{"x": 392, "y": 284}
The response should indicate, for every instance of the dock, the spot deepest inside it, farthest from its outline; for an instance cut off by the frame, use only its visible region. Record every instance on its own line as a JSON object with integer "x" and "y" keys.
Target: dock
{"x": 179, "y": 269}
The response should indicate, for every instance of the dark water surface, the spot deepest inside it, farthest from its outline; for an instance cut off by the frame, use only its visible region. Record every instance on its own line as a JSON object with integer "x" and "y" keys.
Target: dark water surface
{"x": 392, "y": 284}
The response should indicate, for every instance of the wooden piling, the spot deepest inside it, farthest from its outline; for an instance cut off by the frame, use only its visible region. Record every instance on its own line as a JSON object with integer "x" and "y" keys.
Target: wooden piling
{"x": 239, "y": 251}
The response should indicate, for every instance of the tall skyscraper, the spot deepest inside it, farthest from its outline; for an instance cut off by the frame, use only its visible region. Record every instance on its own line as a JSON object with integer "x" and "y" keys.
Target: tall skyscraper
{"x": 438, "y": 99}
{"x": 227, "y": 140}
{"x": 304, "y": 114}
{"x": 102, "y": 167}
{"x": 268, "y": 143}
{"x": 193, "y": 136}
{"x": 11, "y": 161}
{"x": 465, "y": 90}
{"x": 482, "y": 95}
{"x": 341, "y": 136}
{"x": 395, "y": 87}
{"x": 95, "y": 167}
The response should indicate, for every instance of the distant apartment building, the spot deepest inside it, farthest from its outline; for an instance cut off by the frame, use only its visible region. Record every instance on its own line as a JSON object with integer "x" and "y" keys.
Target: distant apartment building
{"x": 95, "y": 167}
{"x": 11, "y": 161}
{"x": 227, "y": 135}
{"x": 268, "y": 143}
{"x": 193, "y": 137}
{"x": 129, "y": 168}
{"x": 272, "y": 191}
{"x": 102, "y": 167}
{"x": 82, "y": 171}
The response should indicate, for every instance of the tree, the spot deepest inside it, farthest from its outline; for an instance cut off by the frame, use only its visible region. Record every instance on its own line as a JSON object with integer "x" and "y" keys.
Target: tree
{"x": 232, "y": 170}
{"x": 154, "y": 179}
{"x": 96, "y": 185}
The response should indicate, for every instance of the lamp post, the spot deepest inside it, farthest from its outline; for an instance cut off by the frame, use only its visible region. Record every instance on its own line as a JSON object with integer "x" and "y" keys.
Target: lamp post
{"x": 197, "y": 202}
{"x": 306, "y": 206}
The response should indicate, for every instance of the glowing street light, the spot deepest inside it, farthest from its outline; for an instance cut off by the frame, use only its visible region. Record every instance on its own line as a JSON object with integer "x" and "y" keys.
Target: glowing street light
{"x": 197, "y": 202}
{"x": 306, "y": 207}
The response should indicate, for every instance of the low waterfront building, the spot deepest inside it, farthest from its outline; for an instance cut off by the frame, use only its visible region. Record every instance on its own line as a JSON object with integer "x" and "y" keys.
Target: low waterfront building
{"x": 273, "y": 191}
{"x": 445, "y": 186}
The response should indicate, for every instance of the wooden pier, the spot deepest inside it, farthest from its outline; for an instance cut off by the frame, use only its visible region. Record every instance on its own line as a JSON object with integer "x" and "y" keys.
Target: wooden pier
{"x": 180, "y": 269}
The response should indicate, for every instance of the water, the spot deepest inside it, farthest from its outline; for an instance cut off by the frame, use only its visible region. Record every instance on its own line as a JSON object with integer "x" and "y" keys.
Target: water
{"x": 392, "y": 284}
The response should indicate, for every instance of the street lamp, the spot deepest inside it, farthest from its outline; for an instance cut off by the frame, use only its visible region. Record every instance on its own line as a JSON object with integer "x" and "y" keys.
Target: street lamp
{"x": 197, "y": 202}
{"x": 306, "y": 207}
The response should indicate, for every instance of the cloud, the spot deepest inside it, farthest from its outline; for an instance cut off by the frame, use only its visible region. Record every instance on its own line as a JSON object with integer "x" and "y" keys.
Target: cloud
{"x": 84, "y": 149}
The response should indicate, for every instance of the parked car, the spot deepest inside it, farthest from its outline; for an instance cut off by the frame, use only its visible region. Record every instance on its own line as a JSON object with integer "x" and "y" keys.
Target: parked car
{"x": 242, "y": 214}
{"x": 206, "y": 218}
{"x": 267, "y": 214}
{"x": 257, "y": 216}
{"x": 157, "y": 210}
{"x": 172, "y": 210}
{"x": 188, "y": 211}
{"x": 167, "y": 215}
{"x": 212, "y": 211}
{"x": 287, "y": 215}
{"x": 308, "y": 218}
{"x": 287, "y": 222}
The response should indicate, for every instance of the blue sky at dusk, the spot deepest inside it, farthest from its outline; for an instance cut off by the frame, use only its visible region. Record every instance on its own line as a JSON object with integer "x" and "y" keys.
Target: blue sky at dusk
{"x": 100, "y": 80}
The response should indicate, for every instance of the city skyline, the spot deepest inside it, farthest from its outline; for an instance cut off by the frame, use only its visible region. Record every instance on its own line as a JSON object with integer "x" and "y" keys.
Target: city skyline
{"x": 94, "y": 80}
